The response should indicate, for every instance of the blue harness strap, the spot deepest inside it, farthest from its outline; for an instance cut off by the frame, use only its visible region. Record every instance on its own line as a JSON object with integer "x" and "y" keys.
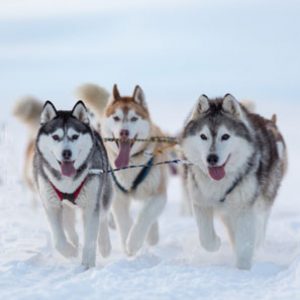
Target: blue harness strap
{"x": 138, "y": 180}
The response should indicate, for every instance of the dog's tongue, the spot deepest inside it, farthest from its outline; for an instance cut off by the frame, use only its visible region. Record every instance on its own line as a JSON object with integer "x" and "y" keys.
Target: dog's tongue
{"x": 217, "y": 173}
{"x": 67, "y": 168}
{"x": 123, "y": 157}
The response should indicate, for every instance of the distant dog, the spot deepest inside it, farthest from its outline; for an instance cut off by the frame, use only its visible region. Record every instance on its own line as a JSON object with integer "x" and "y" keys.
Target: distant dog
{"x": 95, "y": 97}
{"x": 239, "y": 159}
{"x": 28, "y": 110}
{"x": 67, "y": 148}
{"x": 127, "y": 119}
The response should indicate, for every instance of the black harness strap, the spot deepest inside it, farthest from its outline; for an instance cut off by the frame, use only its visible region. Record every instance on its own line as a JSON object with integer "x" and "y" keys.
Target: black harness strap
{"x": 118, "y": 184}
{"x": 138, "y": 180}
{"x": 69, "y": 197}
{"x": 250, "y": 165}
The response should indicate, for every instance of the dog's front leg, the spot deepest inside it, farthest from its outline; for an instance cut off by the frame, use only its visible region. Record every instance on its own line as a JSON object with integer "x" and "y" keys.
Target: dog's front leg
{"x": 55, "y": 217}
{"x": 205, "y": 221}
{"x": 120, "y": 210}
{"x": 91, "y": 227}
{"x": 151, "y": 210}
{"x": 104, "y": 238}
{"x": 69, "y": 218}
{"x": 244, "y": 237}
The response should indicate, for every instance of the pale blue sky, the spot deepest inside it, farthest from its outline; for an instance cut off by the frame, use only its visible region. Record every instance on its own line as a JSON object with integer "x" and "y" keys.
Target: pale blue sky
{"x": 175, "y": 50}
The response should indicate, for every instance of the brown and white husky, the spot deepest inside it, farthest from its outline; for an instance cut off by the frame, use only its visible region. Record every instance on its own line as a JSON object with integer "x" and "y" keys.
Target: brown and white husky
{"x": 126, "y": 119}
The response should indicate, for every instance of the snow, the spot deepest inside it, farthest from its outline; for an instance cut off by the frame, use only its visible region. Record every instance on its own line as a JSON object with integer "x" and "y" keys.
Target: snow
{"x": 249, "y": 48}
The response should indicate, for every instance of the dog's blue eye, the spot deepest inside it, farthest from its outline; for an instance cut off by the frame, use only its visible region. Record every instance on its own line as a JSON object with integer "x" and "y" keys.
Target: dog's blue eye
{"x": 55, "y": 137}
{"x": 116, "y": 118}
{"x": 203, "y": 137}
{"x": 225, "y": 137}
{"x": 75, "y": 137}
{"x": 133, "y": 119}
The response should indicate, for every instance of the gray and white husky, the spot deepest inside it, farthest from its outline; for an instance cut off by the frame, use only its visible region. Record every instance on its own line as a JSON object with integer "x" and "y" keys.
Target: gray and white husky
{"x": 66, "y": 150}
{"x": 238, "y": 161}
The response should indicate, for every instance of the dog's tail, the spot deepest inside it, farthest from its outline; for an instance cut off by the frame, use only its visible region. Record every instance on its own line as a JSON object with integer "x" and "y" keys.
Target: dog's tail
{"x": 249, "y": 105}
{"x": 94, "y": 96}
{"x": 28, "y": 110}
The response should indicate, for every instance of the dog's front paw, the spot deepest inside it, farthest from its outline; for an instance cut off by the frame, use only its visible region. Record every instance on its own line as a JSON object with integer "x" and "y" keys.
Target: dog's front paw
{"x": 66, "y": 249}
{"x": 244, "y": 263}
{"x": 153, "y": 239}
{"x": 153, "y": 236}
{"x": 88, "y": 257}
{"x": 133, "y": 245}
{"x": 211, "y": 245}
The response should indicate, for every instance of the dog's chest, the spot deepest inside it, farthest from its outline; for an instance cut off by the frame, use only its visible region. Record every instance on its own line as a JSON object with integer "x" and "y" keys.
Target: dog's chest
{"x": 85, "y": 194}
{"x": 204, "y": 191}
{"x": 67, "y": 185}
{"x": 208, "y": 192}
{"x": 149, "y": 185}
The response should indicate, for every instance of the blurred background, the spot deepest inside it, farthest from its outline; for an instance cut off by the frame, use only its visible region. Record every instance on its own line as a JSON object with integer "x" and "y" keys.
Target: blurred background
{"x": 174, "y": 49}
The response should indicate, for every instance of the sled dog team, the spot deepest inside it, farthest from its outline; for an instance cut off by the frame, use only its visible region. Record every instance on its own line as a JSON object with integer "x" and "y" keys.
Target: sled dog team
{"x": 237, "y": 160}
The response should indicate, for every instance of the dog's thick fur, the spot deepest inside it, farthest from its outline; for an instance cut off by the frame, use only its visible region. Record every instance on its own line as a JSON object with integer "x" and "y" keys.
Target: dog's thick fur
{"x": 67, "y": 148}
{"x": 130, "y": 114}
{"x": 239, "y": 159}
{"x": 186, "y": 208}
{"x": 28, "y": 111}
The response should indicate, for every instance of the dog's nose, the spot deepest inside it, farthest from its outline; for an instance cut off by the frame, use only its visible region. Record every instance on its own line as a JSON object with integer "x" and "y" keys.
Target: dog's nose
{"x": 124, "y": 133}
{"x": 212, "y": 159}
{"x": 67, "y": 154}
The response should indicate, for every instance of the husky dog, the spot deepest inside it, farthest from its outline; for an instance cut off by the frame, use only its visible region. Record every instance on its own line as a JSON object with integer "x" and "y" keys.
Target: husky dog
{"x": 28, "y": 110}
{"x": 127, "y": 118}
{"x": 186, "y": 208}
{"x": 66, "y": 150}
{"x": 239, "y": 160}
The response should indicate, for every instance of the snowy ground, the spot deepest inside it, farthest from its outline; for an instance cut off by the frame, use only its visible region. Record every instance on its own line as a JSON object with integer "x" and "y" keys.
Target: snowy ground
{"x": 175, "y": 50}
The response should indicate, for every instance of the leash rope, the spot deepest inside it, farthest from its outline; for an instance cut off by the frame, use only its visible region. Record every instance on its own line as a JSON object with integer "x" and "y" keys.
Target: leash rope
{"x": 153, "y": 139}
{"x": 174, "y": 161}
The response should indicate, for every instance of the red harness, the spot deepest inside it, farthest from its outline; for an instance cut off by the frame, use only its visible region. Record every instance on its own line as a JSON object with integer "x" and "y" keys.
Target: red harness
{"x": 70, "y": 197}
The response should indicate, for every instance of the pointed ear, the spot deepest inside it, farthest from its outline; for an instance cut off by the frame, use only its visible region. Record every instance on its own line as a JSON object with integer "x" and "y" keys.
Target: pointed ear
{"x": 274, "y": 119}
{"x": 231, "y": 106}
{"x": 115, "y": 93}
{"x": 201, "y": 106}
{"x": 139, "y": 96}
{"x": 80, "y": 112}
{"x": 48, "y": 113}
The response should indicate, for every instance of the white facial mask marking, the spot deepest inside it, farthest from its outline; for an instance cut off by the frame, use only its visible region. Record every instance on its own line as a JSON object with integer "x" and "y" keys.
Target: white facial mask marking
{"x": 223, "y": 147}
{"x": 52, "y": 150}
{"x": 139, "y": 128}
{"x": 59, "y": 133}
{"x": 237, "y": 147}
